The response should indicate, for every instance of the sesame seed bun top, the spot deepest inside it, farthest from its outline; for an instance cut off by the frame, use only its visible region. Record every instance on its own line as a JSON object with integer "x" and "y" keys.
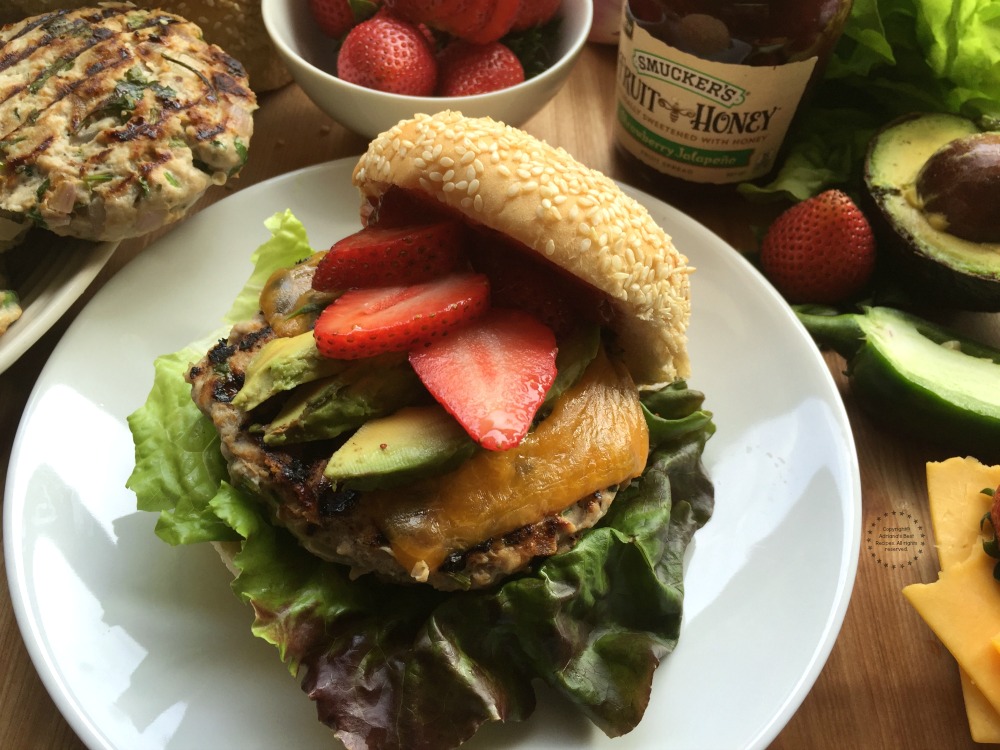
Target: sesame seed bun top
{"x": 574, "y": 216}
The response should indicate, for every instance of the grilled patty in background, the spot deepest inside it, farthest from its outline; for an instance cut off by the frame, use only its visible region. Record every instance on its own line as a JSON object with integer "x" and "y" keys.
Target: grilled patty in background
{"x": 114, "y": 120}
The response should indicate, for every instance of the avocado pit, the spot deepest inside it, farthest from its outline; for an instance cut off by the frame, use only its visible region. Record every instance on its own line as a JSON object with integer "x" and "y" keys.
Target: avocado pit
{"x": 959, "y": 187}
{"x": 932, "y": 186}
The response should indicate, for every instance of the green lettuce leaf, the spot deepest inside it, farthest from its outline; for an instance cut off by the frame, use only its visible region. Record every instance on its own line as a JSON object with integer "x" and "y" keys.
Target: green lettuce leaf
{"x": 399, "y": 666}
{"x": 895, "y": 57}
{"x": 409, "y": 667}
{"x": 178, "y": 466}
{"x": 289, "y": 244}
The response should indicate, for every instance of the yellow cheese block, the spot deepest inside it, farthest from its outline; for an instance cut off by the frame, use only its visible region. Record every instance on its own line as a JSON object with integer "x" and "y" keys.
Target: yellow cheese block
{"x": 984, "y": 721}
{"x": 965, "y": 615}
{"x": 954, "y": 488}
{"x": 957, "y": 506}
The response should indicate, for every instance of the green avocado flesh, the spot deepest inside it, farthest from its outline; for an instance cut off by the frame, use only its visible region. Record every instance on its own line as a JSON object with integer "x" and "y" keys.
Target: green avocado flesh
{"x": 381, "y": 398}
{"x": 282, "y": 364}
{"x": 961, "y": 273}
{"x": 415, "y": 441}
{"x": 331, "y": 406}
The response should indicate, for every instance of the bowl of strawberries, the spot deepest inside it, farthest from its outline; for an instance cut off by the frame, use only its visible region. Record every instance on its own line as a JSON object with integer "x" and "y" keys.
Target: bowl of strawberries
{"x": 371, "y": 63}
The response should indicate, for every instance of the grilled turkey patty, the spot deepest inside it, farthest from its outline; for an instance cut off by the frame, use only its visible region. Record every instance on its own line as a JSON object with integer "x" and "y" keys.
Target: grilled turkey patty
{"x": 115, "y": 120}
{"x": 333, "y": 524}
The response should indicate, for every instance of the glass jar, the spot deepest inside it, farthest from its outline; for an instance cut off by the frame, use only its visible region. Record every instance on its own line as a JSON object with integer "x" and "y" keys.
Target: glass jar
{"x": 706, "y": 89}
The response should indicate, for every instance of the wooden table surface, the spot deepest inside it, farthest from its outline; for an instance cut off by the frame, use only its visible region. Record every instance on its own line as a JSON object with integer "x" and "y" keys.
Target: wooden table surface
{"x": 887, "y": 684}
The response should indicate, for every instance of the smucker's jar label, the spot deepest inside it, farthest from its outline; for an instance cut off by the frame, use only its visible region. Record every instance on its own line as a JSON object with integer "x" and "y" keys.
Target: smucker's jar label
{"x": 700, "y": 120}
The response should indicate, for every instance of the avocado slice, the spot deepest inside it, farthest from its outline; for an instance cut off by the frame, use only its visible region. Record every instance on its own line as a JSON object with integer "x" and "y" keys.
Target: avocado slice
{"x": 282, "y": 364}
{"x": 911, "y": 170}
{"x": 329, "y": 407}
{"x": 414, "y": 442}
{"x": 576, "y": 351}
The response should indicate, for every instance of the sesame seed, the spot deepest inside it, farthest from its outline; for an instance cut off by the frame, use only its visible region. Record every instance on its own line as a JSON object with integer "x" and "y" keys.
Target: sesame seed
{"x": 460, "y": 160}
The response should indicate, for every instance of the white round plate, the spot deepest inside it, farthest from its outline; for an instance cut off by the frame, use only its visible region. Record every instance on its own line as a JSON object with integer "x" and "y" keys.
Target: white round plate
{"x": 143, "y": 646}
{"x": 61, "y": 269}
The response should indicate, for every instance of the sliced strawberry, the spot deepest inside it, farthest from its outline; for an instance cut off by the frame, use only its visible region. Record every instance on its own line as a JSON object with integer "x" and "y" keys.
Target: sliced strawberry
{"x": 391, "y": 256}
{"x": 523, "y": 280}
{"x": 365, "y": 322}
{"x": 398, "y": 207}
{"x": 491, "y": 375}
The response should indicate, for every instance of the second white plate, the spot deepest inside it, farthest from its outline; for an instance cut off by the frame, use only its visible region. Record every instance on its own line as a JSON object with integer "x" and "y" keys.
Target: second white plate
{"x": 144, "y": 647}
{"x": 51, "y": 276}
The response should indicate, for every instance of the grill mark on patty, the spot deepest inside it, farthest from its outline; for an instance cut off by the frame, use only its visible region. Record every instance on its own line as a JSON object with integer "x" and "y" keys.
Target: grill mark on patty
{"x": 111, "y": 53}
{"x": 115, "y": 120}
{"x": 58, "y": 46}
{"x": 333, "y": 502}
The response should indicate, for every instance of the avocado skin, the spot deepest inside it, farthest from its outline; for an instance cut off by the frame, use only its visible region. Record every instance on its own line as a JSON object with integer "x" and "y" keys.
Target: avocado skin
{"x": 907, "y": 408}
{"x": 931, "y": 265}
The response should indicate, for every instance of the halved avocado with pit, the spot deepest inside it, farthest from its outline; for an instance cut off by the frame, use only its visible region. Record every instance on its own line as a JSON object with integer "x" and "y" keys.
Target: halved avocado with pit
{"x": 927, "y": 176}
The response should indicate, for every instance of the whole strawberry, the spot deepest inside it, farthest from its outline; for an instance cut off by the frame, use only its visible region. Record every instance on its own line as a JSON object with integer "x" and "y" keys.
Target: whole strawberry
{"x": 336, "y": 17}
{"x": 479, "y": 21}
{"x": 535, "y": 13}
{"x": 466, "y": 69}
{"x": 820, "y": 250}
{"x": 388, "y": 54}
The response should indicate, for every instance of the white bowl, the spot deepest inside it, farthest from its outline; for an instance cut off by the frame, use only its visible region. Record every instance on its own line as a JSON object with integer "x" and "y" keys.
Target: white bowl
{"x": 310, "y": 55}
